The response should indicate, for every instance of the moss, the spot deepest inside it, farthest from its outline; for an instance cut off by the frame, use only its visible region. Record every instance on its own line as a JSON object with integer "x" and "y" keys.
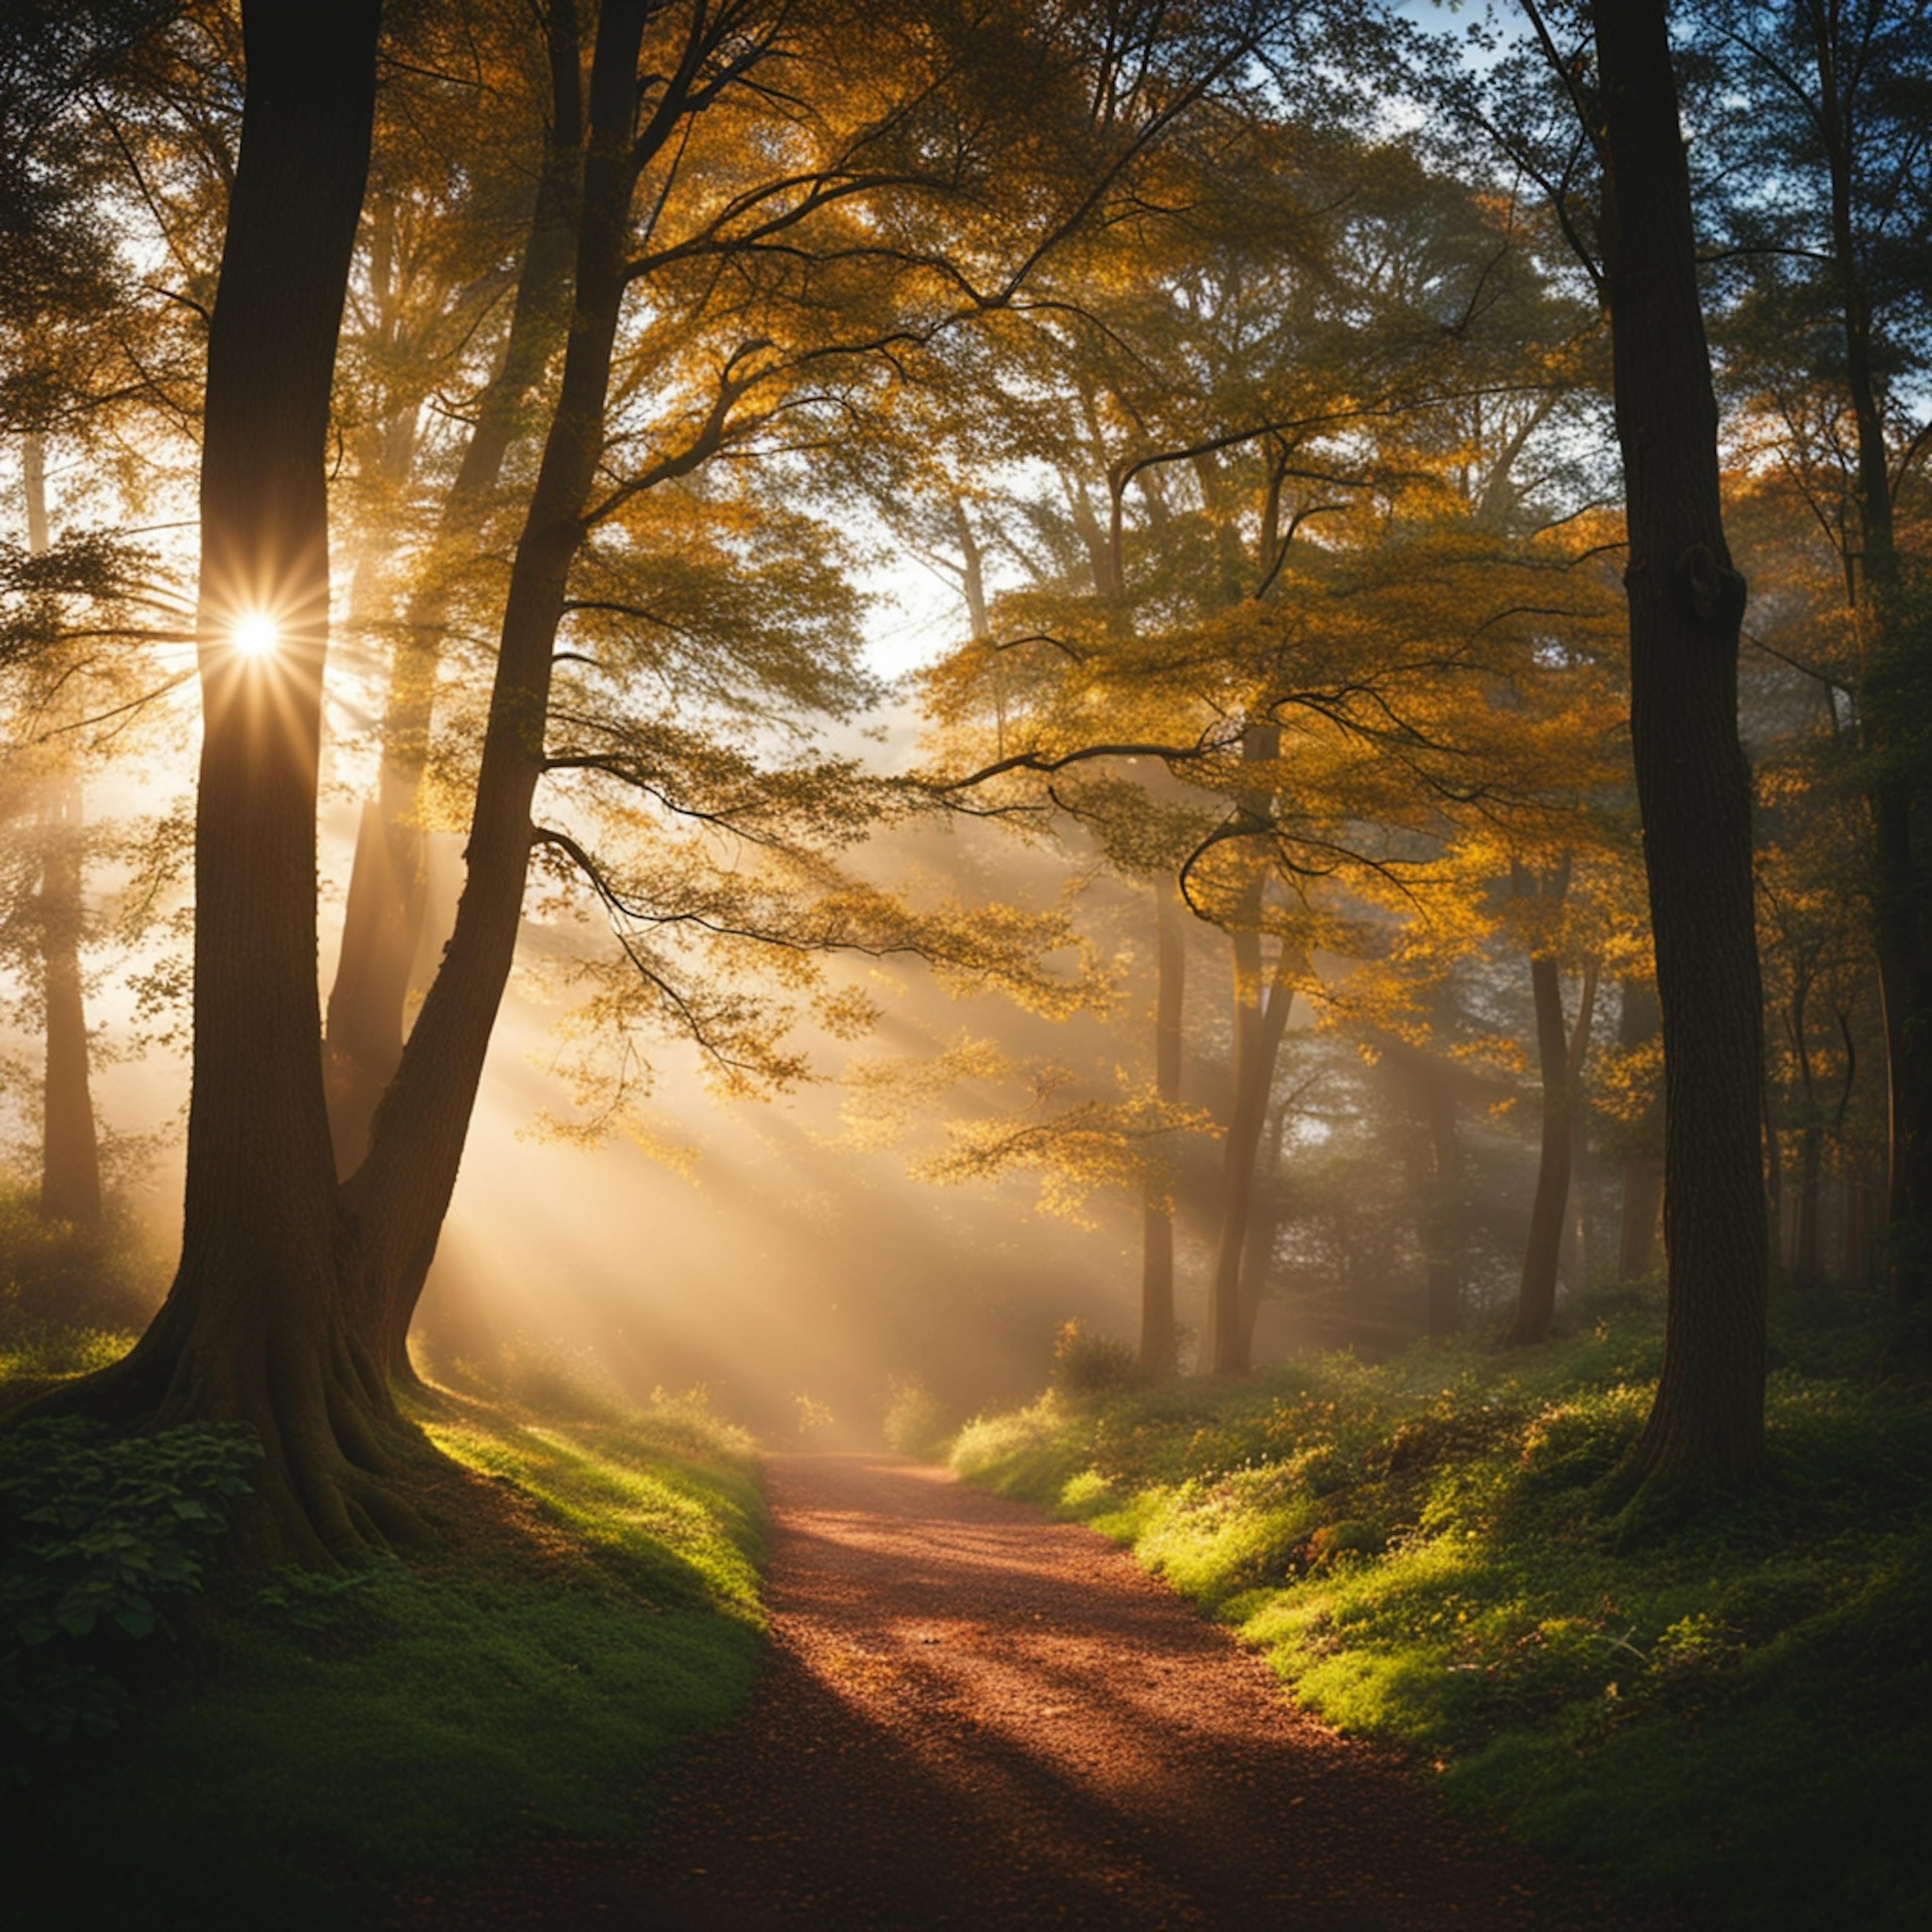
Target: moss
{"x": 592, "y": 1606}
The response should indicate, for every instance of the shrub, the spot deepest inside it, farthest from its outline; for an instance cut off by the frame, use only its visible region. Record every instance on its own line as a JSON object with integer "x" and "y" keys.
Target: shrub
{"x": 54, "y": 1272}
{"x": 546, "y": 1376}
{"x": 918, "y": 1424}
{"x": 1085, "y": 1363}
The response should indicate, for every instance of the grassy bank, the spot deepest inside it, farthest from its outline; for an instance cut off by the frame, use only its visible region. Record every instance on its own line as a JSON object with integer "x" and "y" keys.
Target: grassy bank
{"x": 307, "y": 1745}
{"x": 1735, "y": 1711}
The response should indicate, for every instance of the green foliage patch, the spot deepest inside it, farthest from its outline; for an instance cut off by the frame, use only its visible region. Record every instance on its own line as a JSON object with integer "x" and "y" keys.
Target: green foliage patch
{"x": 59, "y": 1282}
{"x": 592, "y": 1604}
{"x": 1731, "y": 1710}
{"x": 95, "y": 1535}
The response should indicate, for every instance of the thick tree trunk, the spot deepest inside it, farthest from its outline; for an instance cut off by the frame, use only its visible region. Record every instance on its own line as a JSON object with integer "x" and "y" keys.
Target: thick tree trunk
{"x": 1158, "y": 1338}
{"x": 262, "y": 1324}
{"x": 1706, "y": 1428}
{"x": 70, "y": 1147}
{"x": 399, "y": 1195}
{"x": 383, "y": 919}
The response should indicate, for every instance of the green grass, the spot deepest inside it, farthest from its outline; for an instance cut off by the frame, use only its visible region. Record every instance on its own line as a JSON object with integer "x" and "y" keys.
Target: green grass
{"x": 1738, "y": 1710}
{"x": 314, "y": 1743}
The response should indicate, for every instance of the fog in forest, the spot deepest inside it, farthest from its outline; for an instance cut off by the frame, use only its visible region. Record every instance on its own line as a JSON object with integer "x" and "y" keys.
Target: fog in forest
{"x": 792, "y": 1258}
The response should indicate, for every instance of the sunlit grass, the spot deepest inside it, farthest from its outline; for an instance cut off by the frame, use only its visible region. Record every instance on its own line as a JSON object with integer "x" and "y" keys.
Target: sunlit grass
{"x": 40, "y": 1352}
{"x": 592, "y": 1604}
{"x": 1731, "y": 1710}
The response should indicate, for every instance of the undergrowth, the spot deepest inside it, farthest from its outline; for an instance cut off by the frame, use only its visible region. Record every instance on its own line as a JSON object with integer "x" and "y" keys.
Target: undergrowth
{"x": 315, "y": 1742}
{"x": 1736, "y": 1711}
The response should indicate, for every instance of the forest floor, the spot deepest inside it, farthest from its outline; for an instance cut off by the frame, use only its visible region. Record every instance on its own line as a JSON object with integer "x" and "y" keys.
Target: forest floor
{"x": 972, "y": 1716}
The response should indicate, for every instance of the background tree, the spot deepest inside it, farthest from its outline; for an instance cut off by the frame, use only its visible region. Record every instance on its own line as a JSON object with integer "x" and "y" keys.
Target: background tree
{"x": 1821, "y": 206}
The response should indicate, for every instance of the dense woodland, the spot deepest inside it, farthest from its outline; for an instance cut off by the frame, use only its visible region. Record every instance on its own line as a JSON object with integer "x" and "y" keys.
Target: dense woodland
{"x": 1419, "y": 785}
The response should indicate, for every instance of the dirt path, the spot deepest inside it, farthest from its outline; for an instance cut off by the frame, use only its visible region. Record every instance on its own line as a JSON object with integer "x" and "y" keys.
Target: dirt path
{"x": 971, "y": 1718}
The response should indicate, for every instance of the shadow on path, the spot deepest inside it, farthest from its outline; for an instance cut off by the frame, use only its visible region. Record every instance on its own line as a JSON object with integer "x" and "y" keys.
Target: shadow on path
{"x": 972, "y": 1717}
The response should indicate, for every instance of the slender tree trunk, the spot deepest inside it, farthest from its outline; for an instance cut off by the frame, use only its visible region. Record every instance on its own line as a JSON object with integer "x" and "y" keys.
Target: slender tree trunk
{"x": 1443, "y": 1224}
{"x": 1264, "y": 1229}
{"x": 399, "y": 1194}
{"x": 1805, "y": 1246}
{"x": 69, "y": 1148}
{"x": 1855, "y": 1255}
{"x": 70, "y": 1154}
{"x": 383, "y": 919}
{"x": 1261, "y": 1016}
{"x": 1158, "y": 1340}
{"x": 1706, "y": 1428}
{"x": 1536, "y": 1290}
{"x": 1574, "y": 1264}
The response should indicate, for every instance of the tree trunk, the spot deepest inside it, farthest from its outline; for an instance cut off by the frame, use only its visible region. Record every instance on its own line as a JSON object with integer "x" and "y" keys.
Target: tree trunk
{"x": 399, "y": 1195}
{"x": 70, "y": 1154}
{"x": 1536, "y": 1290}
{"x": 69, "y": 1148}
{"x": 1855, "y": 1253}
{"x": 383, "y": 919}
{"x": 1264, "y": 1228}
{"x": 1443, "y": 1232}
{"x": 1158, "y": 1338}
{"x": 1643, "y": 1191}
{"x": 262, "y": 1323}
{"x": 1261, "y": 1016}
{"x": 1574, "y": 1262}
{"x": 1706, "y": 1427}
{"x": 1891, "y": 709}
{"x": 1806, "y": 1240}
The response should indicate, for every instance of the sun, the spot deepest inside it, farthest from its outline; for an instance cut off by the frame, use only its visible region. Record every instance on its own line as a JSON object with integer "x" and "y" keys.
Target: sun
{"x": 255, "y": 635}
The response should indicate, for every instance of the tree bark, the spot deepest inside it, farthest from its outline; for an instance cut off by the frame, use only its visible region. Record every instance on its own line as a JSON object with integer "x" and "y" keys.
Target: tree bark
{"x": 1158, "y": 1337}
{"x": 69, "y": 1146}
{"x": 382, "y": 919}
{"x": 1560, "y": 1062}
{"x": 1705, "y": 1430}
{"x": 262, "y": 1323}
{"x": 1261, "y": 1016}
{"x": 399, "y": 1195}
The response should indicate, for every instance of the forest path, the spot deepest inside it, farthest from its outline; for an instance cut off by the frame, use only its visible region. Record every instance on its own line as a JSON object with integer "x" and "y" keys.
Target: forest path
{"x": 973, "y": 1717}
